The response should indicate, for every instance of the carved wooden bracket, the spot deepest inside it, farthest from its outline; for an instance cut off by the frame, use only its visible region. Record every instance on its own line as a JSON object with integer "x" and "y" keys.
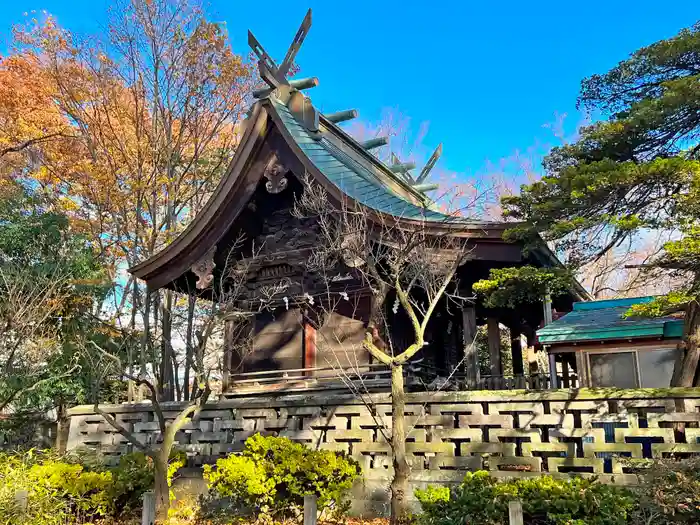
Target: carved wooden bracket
{"x": 275, "y": 175}
{"x": 204, "y": 269}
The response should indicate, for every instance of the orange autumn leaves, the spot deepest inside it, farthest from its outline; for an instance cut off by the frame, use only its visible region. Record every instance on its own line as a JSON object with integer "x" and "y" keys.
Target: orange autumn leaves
{"x": 127, "y": 133}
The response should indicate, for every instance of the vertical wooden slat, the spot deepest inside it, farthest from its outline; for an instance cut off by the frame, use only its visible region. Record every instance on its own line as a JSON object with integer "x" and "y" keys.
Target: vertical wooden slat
{"x": 22, "y": 500}
{"x": 494, "y": 338}
{"x": 148, "y": 513}
{"x": 582, "y": 370}
{"x": 553, "y": 383}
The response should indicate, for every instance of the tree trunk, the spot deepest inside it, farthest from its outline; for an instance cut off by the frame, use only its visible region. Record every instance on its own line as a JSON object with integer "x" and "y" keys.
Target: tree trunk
{"x": 692, "y": 355}
{"x": 376, "y": 326}
{"x": 167, "y": 379}
{"x": 162, "y": 491}
{"x": 189, "y": 346}
{"x": 399, "y": 485}
{"x": 146, "y": 339}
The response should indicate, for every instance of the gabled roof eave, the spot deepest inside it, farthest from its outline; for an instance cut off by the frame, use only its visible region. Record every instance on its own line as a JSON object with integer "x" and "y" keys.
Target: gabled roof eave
{"x": 189, "y": 241}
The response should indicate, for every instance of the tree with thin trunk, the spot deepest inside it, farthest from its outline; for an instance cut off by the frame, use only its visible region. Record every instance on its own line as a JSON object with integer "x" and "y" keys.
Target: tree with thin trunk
{"x": 224, "y": 298}
{"x": 142, "y": 122}
{"x": 50, "y": 282}
{"x": 415, "y": 266}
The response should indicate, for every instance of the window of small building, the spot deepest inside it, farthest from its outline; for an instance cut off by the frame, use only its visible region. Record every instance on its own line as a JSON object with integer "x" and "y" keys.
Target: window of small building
{"x": 616, "y": 369}
{"x": 633, "y": 368}
{"x": 656, "y": 367}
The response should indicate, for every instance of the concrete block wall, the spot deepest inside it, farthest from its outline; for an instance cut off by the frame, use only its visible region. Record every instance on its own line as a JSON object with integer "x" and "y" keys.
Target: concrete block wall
{"x": 509, "y": 433}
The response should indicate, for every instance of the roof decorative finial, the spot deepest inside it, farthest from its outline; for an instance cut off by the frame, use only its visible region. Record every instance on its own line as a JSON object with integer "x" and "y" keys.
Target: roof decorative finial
{"x": 430, "y": 165}
{"x": 287, "y": 91}
{"x": 274, "y": 75}
{"x": 404, "y": 169}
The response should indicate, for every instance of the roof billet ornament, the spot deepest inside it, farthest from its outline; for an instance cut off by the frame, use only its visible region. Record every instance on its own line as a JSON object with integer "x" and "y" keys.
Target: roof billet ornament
{"x": 425, "y": 187}
{"x": 302, "y": 83}
{"x": 402, "y": 168}
{"x": 377, "y": 142}
{"x": 342, "y": 116}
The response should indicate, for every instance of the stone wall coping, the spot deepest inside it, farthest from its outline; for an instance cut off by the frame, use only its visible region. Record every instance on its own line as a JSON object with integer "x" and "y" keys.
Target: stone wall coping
{"x": 475, "y": 396}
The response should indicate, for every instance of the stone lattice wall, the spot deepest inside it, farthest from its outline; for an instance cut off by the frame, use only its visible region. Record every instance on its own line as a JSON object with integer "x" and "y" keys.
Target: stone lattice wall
{"x": 514, "y": 433}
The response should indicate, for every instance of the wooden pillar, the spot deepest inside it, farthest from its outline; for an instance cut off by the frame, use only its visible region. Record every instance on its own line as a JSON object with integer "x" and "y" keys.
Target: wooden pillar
{"x": 547, "y": 311}
{"x": 494, "y": 337}
{"x": 309, "y": 346}
{"x": 517, "y": 351}
{"x": 229, "y": 329}
{"x": 532, "y": 363}
{"x": 565, "y": 371}
{"x": 582, "y": 369}
{"x": 471, "y": 356}
{"x": 553, "y": 383}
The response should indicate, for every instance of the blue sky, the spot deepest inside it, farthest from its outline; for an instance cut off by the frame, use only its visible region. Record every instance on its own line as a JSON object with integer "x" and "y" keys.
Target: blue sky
{"x": 485, "y": 76}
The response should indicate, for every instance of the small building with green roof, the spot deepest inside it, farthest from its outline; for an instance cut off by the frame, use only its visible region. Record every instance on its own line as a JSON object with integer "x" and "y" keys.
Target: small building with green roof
{"x": 603, "y": 348}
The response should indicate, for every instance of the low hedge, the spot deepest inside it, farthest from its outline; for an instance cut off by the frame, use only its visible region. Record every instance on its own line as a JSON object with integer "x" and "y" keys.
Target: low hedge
{"x": 273, "y": 474}
{"x": 483, "y": 500}
{"x": 71, "y": 489}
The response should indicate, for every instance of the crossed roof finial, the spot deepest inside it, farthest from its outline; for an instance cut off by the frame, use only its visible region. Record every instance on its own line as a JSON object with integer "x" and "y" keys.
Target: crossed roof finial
{"x": 270, "y": 72}
{"x": 276, "y": 77}
{"x": 404, "y": 169}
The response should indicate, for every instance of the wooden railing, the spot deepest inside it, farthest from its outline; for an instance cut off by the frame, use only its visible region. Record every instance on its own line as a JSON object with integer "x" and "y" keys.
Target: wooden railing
{"x": 368, "y": 377}
{"x": 527, "y": 382}
{"x": 377, "y": 376}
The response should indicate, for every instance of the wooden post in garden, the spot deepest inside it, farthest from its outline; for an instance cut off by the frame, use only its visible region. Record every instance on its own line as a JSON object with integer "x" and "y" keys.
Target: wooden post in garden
{"x": 22, "y": 500}
{"x": 310, "y": 509}
{"x": 148, "y": 514}
{"x": 515, "y": 512}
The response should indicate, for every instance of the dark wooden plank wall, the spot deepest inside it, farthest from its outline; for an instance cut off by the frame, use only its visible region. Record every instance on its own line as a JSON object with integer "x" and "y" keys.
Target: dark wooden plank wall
{"x": 339, "y": 338}
{"x": 277, "y": 341}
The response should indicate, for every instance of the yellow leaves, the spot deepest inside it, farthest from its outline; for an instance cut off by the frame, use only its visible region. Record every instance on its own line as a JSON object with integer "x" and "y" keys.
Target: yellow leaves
{"x": 68, "y": 204}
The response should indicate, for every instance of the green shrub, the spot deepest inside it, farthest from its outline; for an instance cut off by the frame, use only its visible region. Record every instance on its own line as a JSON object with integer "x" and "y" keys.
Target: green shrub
{"x": 42, "y": 507}
{"x": 85, "y": 493}
{"x": 483, "y": 500}
{"x": 274, "y": 474}
{"x": 61, "y": 490}
{"x": 131, "y": 478}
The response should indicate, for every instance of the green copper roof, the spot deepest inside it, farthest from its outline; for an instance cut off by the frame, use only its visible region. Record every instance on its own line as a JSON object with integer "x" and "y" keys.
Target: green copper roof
{"x": 599, "y": 320}
{"x": 355, "y": 178}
